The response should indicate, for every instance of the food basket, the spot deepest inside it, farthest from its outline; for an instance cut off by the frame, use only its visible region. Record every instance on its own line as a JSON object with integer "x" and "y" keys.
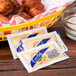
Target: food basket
{"x": 51, "y": 15}
{"x": 47, "y": 21}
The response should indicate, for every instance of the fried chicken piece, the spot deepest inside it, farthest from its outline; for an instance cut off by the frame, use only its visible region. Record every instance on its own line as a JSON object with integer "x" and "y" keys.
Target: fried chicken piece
{"x": 24, "y": 15}
{"x": 16, "y": 6}
{"x": 3, "y": 4}
{"x": 19, "y": 12}
{"x": 28, "y": 3}
{"x": 9, "y": 6}
{"x": 39, "y": 5}
{"x": 34, "y": 11}
{"x": 33, "y": 3}
{"x": 28, "y": 9}
{"x": 5, "y": 7}
{"x": 8, "y": 9}
{"x": 3, "y": 18}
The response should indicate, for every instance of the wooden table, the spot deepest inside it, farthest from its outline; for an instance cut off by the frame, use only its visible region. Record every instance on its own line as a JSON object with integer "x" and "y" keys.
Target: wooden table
{"x": 10, "y": 67}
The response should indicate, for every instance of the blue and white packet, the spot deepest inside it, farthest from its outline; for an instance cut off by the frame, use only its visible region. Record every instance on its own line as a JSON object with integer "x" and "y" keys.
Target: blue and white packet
{"x": 20, "y": 47}
{"x": 42, "y": 56}
{"x": 15, "y": 40}
{"x": 43, "y": 39}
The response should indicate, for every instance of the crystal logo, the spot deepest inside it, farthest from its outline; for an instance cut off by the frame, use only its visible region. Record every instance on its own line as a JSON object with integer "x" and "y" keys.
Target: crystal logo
{"x": 37, "y": 57}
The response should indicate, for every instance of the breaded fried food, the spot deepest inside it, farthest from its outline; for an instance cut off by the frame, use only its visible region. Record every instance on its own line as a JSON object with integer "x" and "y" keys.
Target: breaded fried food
{"x": 34, "y": 11}
{"x": 6, "y": 7}
{"x": 33, "y": 3}
{"x": 28, "y": 3}
{"x": 9, "y": 6}
{"x": 24, "y": 15}
{"x": 28, "y": 9}
{"x": 16, "y": 6}
{"x": 3, "y": 4}
{"x": 39, "y": 5}
{"x": 3, "y": 18}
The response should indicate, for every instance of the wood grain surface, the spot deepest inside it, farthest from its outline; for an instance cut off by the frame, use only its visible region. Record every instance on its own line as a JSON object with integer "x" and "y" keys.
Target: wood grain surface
{"x": 10, "y": 67}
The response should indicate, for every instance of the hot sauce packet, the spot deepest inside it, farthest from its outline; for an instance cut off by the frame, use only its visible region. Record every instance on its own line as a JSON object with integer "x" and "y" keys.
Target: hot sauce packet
{"x": 14, "y": 39}
{"x": 43, "y": 39}
{"x": 42, "y": 56}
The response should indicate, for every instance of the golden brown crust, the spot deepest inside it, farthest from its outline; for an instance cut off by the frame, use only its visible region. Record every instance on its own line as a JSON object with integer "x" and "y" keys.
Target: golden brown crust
{"x": 16, "y": 6}
{"x": 24, "y": 15}
{"x": 3, "y": 4}
{"x": 5, "y": 7}
{"x": 33, "y": 11}
{"x": 28, "y": 9}
{"x": 3, "y": 18}
{"x": 33, "y": 3}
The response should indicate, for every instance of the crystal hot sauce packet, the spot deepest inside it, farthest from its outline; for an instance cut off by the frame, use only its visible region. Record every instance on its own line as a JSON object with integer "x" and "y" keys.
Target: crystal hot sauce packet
{"x": 43, "y": 39}
{"x": 42, "y": 56}
{"x": 14, "y": 39}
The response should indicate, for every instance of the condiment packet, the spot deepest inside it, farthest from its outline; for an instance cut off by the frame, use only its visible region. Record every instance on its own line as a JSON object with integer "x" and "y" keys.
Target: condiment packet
{"x": 43, "y": 39}
{"x": 42, "y": 56}
{"x": 14, "y": 39}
